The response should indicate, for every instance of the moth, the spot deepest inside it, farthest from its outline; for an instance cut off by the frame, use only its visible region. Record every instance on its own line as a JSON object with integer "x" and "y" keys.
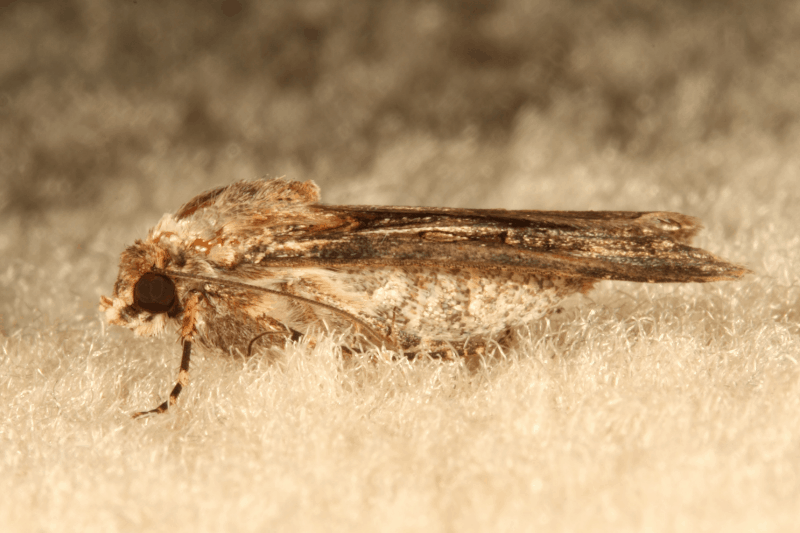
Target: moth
{"x": 256, "y": 263}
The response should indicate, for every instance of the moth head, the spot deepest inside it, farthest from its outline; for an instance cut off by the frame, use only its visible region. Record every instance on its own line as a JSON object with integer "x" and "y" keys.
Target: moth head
{"x": 143, "y": 300}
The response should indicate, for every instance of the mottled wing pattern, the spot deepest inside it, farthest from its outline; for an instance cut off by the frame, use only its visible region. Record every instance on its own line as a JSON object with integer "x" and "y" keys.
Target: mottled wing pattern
{"x": 630, "y": 246}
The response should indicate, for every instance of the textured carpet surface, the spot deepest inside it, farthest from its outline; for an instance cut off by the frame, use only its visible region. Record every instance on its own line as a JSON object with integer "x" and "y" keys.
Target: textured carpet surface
{"x": 636, "y": 408}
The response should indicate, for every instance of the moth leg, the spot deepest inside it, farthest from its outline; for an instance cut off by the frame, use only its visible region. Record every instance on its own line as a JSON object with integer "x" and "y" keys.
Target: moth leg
{"x": 473, "y": 352}
{"x": 187, "y": 330}
{"x": 288, "y": 335}
{"x": 434, "y": 349}
{"x": 183, "y": 380}
{"x": 481, "y": 351}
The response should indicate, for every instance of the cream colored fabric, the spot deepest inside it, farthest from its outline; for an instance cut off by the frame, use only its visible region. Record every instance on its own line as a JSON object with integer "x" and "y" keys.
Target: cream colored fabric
{"x": 636, "y": 408}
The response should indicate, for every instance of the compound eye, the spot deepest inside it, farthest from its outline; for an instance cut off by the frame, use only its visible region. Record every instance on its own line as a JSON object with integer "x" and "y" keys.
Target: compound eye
{"x": 155, "y": 293}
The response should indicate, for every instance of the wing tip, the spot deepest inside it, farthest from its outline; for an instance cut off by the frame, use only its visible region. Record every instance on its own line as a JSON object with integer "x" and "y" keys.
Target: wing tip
{"x": 731, "y": 272}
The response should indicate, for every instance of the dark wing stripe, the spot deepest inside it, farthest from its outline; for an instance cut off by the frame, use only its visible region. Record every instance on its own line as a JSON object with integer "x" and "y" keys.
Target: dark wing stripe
{"x": 646, "y": 247}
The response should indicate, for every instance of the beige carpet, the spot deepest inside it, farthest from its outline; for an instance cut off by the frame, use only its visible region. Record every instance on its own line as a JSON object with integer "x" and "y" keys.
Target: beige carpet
{"x": 636, "y": 408}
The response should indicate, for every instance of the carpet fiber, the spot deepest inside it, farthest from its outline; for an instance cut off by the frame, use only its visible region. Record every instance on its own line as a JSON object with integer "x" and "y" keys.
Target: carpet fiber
{"x": 633, "y": 408}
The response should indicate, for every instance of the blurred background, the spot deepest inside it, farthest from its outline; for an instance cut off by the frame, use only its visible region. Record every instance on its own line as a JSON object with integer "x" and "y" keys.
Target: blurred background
{"x": 415, "y": 102}
{"x": 114, "y": 112}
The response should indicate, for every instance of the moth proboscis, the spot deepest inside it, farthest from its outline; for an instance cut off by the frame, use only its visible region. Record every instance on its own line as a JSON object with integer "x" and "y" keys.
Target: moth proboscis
{"x": 262, "y": 262}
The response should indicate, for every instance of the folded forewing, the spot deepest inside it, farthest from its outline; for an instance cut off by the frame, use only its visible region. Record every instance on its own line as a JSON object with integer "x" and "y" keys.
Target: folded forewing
{"x": 620, "y": 245}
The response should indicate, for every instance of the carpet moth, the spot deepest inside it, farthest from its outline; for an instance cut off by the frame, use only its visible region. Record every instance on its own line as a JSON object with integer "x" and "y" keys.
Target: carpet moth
{"x": 258, "y": 262}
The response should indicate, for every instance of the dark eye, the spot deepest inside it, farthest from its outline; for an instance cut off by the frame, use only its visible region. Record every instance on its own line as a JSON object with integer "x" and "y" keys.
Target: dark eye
{"x": 154, "y": 293}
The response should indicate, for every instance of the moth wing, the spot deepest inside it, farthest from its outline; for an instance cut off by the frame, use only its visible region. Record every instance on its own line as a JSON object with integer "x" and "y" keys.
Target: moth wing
{"x": 619, "y": 245}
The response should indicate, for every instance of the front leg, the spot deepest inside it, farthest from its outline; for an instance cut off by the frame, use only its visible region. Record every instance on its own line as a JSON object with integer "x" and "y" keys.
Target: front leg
{"x": 188, "y": 329}
{"x": 183, "y": 380}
